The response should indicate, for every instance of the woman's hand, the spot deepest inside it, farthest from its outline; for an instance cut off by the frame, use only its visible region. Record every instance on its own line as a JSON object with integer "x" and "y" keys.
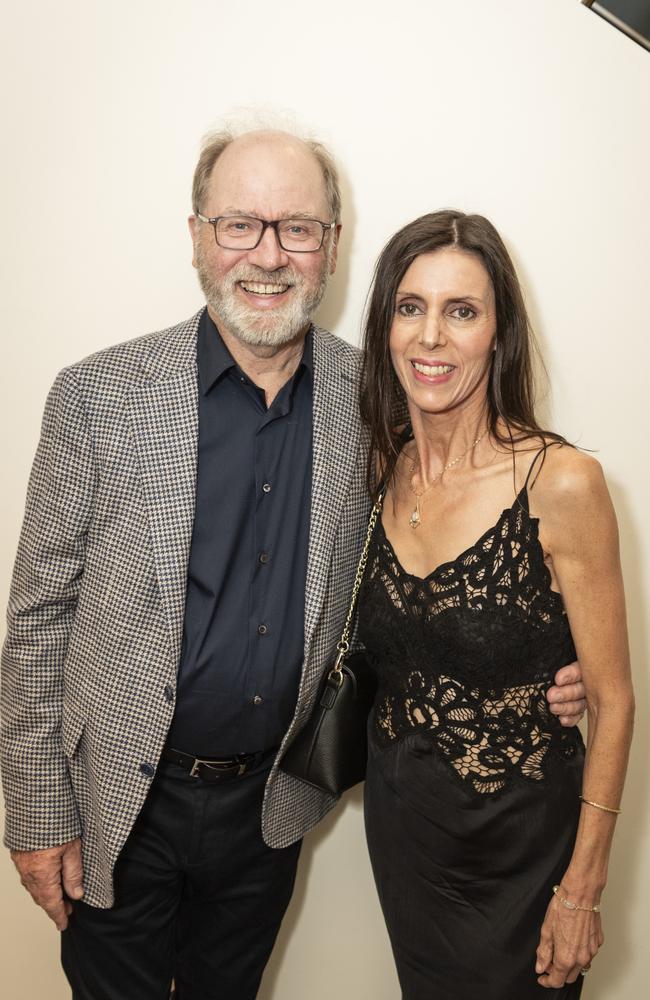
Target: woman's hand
{"x": 568, "y": 941}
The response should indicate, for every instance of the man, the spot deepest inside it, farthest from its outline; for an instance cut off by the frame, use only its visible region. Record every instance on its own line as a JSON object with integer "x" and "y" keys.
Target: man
{"x": 193, "y": 522}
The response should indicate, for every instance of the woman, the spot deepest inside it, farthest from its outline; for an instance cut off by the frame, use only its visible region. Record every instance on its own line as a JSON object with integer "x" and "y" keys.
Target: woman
{"x": 495, "y": 559}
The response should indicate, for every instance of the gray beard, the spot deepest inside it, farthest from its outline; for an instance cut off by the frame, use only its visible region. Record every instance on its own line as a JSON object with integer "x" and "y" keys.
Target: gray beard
{"x": 271, "y": 328}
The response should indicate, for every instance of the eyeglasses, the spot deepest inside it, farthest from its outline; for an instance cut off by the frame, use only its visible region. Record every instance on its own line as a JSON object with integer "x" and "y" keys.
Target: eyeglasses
{"x": 244, "y": 232}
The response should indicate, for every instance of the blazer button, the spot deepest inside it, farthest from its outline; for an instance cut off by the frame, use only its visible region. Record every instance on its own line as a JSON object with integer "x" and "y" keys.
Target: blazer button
{"x": 262, "y": 629}
{"x": 148, "y": 770}
{"x": 169, "y": 693}
{"x": 257, "y": 700}
{"x": 267, "y": 487}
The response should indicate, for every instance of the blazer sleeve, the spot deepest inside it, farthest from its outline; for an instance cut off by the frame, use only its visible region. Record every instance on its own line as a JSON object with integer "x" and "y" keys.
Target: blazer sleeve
{"x": 48, "y": 573}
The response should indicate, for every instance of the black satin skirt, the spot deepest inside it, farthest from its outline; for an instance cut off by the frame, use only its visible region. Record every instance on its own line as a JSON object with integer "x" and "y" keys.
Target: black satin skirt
{"x": 464, "y": 880}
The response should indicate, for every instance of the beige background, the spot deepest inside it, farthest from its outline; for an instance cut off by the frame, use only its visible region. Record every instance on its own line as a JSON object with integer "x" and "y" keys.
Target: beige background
{"x": 534, "y": 113}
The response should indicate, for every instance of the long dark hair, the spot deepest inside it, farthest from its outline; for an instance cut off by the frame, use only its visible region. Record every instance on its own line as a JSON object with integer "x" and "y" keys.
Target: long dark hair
{"x": 511, "y": 389}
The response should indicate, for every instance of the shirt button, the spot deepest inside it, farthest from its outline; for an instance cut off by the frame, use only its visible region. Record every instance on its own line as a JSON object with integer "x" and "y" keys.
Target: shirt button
{"x": 169, "y": 692}
{"x": 148, "y": 770}
{"x": 262, "y": 629}
{"x": 257, "y": 700}
{"x": 267, "y": 487}
{"x": 264, "y": 557}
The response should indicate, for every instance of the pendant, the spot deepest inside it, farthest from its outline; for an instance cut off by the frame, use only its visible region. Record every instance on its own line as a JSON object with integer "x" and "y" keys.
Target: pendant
{"x": 414, "y": 519}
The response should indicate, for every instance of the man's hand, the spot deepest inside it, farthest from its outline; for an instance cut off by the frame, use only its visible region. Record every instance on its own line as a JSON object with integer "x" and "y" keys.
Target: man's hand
{"x": 48, "y": 874}
{"x": 567, "y": 698}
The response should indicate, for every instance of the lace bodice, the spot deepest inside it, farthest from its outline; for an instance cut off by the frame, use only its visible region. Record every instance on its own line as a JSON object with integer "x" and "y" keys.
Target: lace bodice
{"x": 465, "y": 655}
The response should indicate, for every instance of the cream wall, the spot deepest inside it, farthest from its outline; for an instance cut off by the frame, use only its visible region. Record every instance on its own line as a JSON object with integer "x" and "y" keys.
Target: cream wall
{"x": 534, "y": 113}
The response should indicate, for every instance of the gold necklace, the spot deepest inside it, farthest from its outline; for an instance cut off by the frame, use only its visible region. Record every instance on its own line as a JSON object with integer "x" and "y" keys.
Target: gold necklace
{"x": 414, "y": 519}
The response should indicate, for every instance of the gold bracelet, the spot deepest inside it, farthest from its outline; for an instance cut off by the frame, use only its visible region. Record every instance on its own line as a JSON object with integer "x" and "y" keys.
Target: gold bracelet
{"x": 574, "y": 906}
{"x": 597, "y": 805}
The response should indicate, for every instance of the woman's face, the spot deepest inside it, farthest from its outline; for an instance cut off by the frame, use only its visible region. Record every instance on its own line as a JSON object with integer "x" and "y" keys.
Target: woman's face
{"x": 444, "y": 330}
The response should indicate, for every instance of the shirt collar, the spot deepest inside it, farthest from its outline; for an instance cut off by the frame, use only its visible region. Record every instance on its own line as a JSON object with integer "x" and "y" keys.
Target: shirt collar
{"x": 214, "y": 359}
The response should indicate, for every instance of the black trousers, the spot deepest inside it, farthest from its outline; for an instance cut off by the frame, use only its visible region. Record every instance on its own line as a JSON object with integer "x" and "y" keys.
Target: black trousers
{"x": 199, "y": 898}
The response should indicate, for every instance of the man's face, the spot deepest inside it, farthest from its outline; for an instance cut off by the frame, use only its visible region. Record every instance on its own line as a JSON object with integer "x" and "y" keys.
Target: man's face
{"x": 266, "y": 296}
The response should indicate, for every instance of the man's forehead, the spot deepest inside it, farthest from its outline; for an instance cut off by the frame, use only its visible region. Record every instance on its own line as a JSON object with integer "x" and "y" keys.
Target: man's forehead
{"x": 267, "y": 168}
{"x": 268, "y": 142}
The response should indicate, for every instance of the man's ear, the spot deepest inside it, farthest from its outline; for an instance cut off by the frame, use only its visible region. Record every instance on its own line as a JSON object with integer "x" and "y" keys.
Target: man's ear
{"x": 193, "y": 224}
{"x": 335, "y": 248}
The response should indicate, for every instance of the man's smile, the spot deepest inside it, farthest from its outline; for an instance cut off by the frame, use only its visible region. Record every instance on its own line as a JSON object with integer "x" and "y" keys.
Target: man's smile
{"x": 260, "y": 288}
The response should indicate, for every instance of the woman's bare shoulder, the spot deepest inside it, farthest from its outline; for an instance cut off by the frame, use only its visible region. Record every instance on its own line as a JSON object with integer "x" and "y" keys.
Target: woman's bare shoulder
{"x": 569, "y": 491}
{"x": 568, "y": 472}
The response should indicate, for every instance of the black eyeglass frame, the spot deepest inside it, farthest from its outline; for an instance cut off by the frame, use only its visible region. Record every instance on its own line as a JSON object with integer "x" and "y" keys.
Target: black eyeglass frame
{"x": 266, "y": 223}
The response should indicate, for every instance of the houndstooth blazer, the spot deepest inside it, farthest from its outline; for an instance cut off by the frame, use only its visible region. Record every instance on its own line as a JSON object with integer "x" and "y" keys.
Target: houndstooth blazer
{"x": 97, "y": 601}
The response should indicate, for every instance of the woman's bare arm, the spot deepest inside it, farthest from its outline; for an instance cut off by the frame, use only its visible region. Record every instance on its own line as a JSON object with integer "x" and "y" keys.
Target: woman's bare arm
{"x": 579, "y": 532}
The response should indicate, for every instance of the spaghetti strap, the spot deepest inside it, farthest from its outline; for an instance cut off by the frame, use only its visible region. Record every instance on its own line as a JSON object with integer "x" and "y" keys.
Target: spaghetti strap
{"x": 522, "y": 496}
{"x": 542, "y": 451}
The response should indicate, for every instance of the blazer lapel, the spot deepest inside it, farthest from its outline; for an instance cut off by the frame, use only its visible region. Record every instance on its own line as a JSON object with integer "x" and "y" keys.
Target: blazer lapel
{"x": 335, "y": 453}
{"x": 164, "y": 415}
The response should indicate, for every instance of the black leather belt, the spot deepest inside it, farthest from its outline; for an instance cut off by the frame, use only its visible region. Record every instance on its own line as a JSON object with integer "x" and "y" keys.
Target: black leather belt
{"x": 216, "y": 768}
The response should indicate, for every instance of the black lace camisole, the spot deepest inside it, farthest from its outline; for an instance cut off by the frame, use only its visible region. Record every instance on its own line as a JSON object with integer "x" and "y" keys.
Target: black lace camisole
{"x": 464, "y": 656}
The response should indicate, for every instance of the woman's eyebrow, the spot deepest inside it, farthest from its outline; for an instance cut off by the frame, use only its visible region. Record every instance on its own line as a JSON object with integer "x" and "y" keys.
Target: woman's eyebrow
{"x": 450, "y": 298}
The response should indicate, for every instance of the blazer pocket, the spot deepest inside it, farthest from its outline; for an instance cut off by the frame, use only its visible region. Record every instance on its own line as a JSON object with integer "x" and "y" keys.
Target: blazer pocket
{"x": 72, "y": 728}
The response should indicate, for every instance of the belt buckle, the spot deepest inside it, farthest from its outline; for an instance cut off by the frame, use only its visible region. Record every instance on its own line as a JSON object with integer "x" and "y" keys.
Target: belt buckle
{"x": 215, "y": 772}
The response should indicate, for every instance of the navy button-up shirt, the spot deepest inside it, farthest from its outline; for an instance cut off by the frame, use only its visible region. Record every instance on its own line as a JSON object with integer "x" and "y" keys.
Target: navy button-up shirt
{"x": 243, "y": 634}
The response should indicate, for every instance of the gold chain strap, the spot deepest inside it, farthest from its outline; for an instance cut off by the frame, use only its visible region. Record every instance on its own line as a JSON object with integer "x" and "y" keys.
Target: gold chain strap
{"x": 343, "y": 645}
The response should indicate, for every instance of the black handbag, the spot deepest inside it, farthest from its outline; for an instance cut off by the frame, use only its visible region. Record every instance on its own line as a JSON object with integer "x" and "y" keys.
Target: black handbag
{"x": 331, "y": 750}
